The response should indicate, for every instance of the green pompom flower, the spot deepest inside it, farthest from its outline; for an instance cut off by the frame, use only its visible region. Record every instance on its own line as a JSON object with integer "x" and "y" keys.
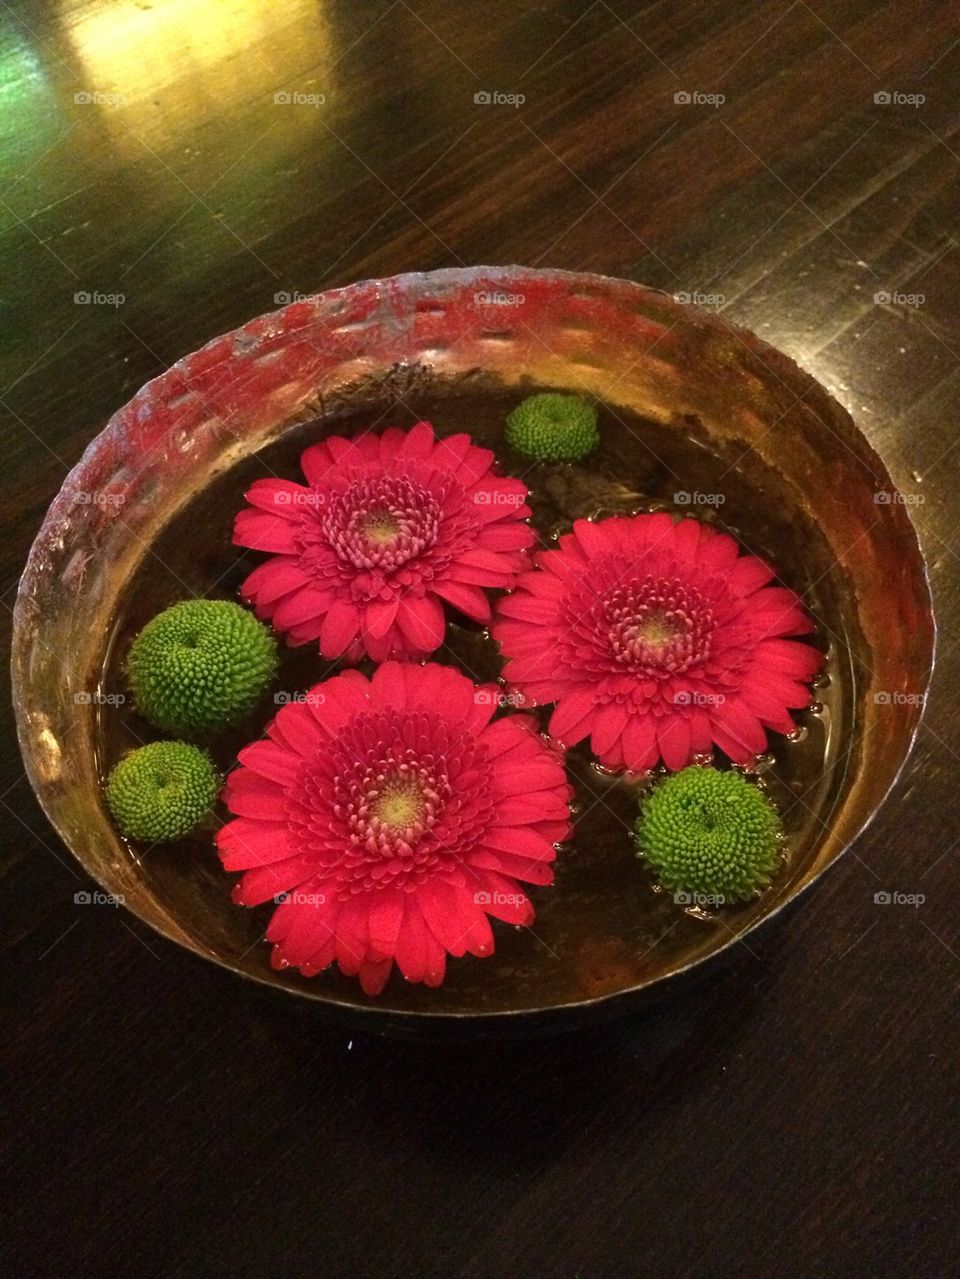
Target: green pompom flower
{"x": 709, "y": 834}
{"x": 553, "y": 427}
{"x": 162, "y": 791}
{"x": 201, "y": 665}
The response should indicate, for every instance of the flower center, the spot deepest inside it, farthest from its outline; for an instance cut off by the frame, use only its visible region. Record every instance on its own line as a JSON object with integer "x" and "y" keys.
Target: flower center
{"x": 382, "y": 522}
{"x": 398, "y": 805}
{"x": 657, "y": 627}
{"x": 394, "y": 803}
{"x": 380, "y": 527}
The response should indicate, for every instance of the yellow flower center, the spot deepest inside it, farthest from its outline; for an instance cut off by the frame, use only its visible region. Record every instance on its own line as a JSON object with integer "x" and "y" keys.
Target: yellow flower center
{"x": 400, "y": 804}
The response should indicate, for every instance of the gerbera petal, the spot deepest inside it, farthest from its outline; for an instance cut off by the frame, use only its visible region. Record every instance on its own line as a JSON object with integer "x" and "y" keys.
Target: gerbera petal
{"x": 591, "y": 538}
{"x": 263, "y": 805}
{"x": 532, "y": 872}
{"x": 411, "y": 947}
{"x": 737, "y": 731}
{"x": 263, "y": 532}
{"x": 277, "y": 577}
{"x": 316, "y": 462}
{"x": 373, "y": 977}
{"x": 302, "y": 606}
{"x": 508, "y": 535}
{"x": 749, "y": 574}
{"x": 673, "y": 739}
{"x": 474, "y": 465}
{"x": 434, "y": 901}
{"x": 390, "y": 685}
{"x": 281, "y": 497}
{"x": 523, "y": 841}
{"x": 504, "y": 899}
{"x": 260, "y": 883}
{"x": 639, "y": 743}
{"x": 379, "y": 616}
{"x": 270, "y": 760}
{"x": 422, "y": 622}
{"x": 468, "y": 599}
{"x": 573, "y": 715}
{"x": 340, "y": 627}
{"x": 607, "y": 726}
{"x": 244, "y": 843}
{"x": 418, "y": 443}
{"x": 450, "y": 451}
{"x": 384, "y": 920}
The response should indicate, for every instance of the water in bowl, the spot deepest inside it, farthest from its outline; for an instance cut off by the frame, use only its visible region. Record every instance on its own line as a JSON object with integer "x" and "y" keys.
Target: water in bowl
{"x": 603, "y": 925}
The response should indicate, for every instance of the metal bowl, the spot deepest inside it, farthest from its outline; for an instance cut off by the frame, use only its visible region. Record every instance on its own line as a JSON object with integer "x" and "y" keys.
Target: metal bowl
{"x": 746, "y": 406}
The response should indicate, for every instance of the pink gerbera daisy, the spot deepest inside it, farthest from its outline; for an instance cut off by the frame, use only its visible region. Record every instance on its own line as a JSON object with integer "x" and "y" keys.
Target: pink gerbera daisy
{"x": 657, "y": 639}
{"x": 396, "y": 817}
{"x": 387, "y": 529}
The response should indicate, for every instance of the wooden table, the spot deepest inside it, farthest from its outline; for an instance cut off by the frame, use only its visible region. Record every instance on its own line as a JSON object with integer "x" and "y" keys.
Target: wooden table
{"x": 794, "y": 1117}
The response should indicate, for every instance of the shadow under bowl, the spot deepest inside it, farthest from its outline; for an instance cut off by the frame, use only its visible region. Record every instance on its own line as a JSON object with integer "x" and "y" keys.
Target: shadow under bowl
{"x": 739, "y": 408}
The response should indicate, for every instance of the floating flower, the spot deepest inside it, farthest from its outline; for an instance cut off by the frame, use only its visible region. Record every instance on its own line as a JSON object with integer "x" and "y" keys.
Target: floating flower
{"x": 553, "y": 427}
{"x": 387, "y": 530}
{"x": 200, "y": 665}
{"x": 657, "y": 639}
{"x": 162, "y": 792}
{"x": 395, "y": 817}
{"x": 710, "y": 834}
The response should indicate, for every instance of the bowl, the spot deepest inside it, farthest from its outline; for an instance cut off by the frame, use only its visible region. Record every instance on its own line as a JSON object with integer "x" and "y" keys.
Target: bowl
{"x": 732, "y": 405}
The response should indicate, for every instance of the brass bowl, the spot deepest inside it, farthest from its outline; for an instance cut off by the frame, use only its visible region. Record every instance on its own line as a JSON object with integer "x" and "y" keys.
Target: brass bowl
{"x": 738, "y": 402}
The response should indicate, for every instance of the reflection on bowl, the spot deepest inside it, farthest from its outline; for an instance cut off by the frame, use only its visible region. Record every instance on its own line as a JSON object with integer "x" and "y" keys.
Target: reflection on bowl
{"x": 717, "y": 400}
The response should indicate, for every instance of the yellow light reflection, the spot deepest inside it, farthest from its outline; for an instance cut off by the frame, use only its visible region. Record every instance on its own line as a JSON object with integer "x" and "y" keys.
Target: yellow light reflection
{"x": 183, "y": 60}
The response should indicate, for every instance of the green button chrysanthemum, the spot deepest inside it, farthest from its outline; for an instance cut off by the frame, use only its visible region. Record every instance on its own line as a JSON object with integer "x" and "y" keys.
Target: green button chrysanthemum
{"x": 553, "y": 427}
{"x": 200, "y": 666}
{"x": 711, "y": 834}
{"x": 162, "y": 791}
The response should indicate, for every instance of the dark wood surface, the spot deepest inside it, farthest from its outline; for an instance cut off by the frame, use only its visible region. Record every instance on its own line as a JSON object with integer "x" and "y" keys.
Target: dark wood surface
{"x": 797, "y": 1114}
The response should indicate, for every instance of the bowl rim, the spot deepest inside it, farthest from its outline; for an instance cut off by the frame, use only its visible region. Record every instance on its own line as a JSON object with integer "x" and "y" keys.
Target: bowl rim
{"x": 392, "y": 1019}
